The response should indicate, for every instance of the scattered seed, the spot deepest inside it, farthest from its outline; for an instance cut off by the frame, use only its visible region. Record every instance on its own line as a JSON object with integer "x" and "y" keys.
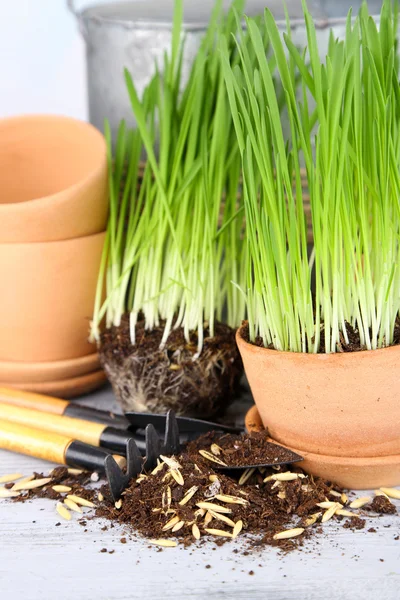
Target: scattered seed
{"x": 359, "y": 502}
{"x": 177, "y": 475}
{"x": 197, "y": 468}
{"x": 344, "y": 499}
{"x": 164, "y": 543}
{"x": 328, "y": 504}
{"x": 335, "y": 493}
{"x": 312, "y": 519}
{"x": 195, "y": 531}
{"x": 94, "y": 477}
{"x": 276, "y": 484}
{"x": 287, "y": 476}
{"x": 282, "y": 495}
{"x": 158, "y": 468}
{"x": 61, "y": 488}
{"x": 246, "y": 475}
{"x": 211, "y": 457}
{"x": 213, "y": 478}
{"x": 63, "y": 511}
{"x": 31, "y": 485}
{"x": 142, "y": 478}
{"x": 289, "y": 533}
{"x": 328, "y": 514}
{"x": 231, "y": 499}
{"x": 171, "y": 462}
{"x": 200, "y": 512}
{"x": 100, "y": 497}
{"x": 380, "y": 493}
{"x": 215, "y": 507}
{"x": 72, "y": 505}
{"x": 215, "y": 449}
{"x": 222, "y": 518}
{"x": 118, "y": 504}
{"x": 189, "y": 494}
{"x": 22, "y": 481}
{"x": 10, "y": 478}
{"x": 345, "y": 513}
{"x": 207, "y": 519}
{"x": 391, "y": 492}
{"x": 8, "y": 493}
{"x": 81, "y": 501}
{"x": 156, "y": 510}
{"x": 178, "y": 526}
{"x": 237, "y": 529}
{"x": 75, "y": 471}
{"x": 219, "y": 532}
{"x": 170, "y": 524}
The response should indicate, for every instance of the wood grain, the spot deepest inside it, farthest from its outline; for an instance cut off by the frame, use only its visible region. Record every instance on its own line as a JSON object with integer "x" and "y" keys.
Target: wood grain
{"x": 33, "y": 442}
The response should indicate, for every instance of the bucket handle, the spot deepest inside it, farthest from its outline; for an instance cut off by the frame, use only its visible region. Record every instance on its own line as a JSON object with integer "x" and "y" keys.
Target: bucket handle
{"x": 82, "y": 25}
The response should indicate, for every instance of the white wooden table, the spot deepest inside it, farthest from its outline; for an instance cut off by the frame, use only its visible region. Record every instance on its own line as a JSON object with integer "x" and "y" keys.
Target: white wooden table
{"x": 39, "y": 560}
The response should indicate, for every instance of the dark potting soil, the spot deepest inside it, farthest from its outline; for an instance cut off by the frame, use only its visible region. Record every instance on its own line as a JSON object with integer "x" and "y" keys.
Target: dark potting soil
{"x": 242, "y": 450}
{"x": 382, "y": 505}
{"x": 147, "y": 379}
{"x": 354, "y": 344}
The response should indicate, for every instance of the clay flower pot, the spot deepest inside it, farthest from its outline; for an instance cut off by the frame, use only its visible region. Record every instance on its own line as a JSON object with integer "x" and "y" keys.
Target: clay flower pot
{"x": 53, "y": 179}
{"x": 342, "y": 406}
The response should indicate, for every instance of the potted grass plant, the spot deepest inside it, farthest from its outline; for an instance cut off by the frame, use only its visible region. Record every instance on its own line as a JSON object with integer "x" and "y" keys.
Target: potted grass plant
{"x": 166, "y": 330}
{"x": 321, "y": 345}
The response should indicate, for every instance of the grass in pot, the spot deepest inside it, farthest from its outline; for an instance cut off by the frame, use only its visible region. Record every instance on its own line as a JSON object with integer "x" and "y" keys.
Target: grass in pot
{"x": 174, "y": 240}
{"x": 323, "y": 359}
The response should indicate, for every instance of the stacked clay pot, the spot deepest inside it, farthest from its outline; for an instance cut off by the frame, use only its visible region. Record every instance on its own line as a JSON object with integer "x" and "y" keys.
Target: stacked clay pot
{"x": 53, "y": 215}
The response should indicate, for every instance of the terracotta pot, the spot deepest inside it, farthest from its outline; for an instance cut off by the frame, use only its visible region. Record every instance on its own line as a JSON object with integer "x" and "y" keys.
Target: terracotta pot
{"x": 47, "y": 297}
{"x": 53, "y": 179}
{"x": 342, "y": 405}
{"x": 40, "y": 372}
{"x": 66, "y": 388}
{"x": 353, "y": 473}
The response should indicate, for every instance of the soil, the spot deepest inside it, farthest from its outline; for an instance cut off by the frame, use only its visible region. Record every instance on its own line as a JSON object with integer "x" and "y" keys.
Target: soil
{"x": 382, "y": 505}
{"x": 354, "y": 344}
{"x": 243, "y": 450}
{"x": 147, "y": 379}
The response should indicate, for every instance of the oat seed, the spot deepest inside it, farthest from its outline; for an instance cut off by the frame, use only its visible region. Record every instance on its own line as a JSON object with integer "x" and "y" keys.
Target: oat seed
{"x": 24, "y": 480}
{"x": 328, "y": 504}
{"x": 72, "y": 505}
{"x": 95, "y": 477}
{"x": 215, "y": 449}
{"x": 328, "y": 514}
{"x": 213, "y": 478}
{"x": 222, "y": 518}
{"x": 237, "y": 529}
{"x": 289, "y": 533}
{"x": 287, "y": 476}
{"x": 177, "y": 475}
{"x": 61, "y": 488}
{"x": 118, "y": 504}
{"x": 246, "y": 475}
{"x": 207, "y": 519}
{"x": 312, "y": 519}
{"x": 335, "y": 493}
{"x": 345, "y": 513}
{"x": 63, "y": 511}
{"x": 189, "y": 494}
{"x": 391, "y": 492}
{"x": 344, "y": 499}
{"x": 158, "y": 468}
{"x": 81, "y": 501}
{"x": 219, "y": 532}
{"x": 171, "y": 462}
{"x": 75, "y": 471}
{"x": 195, "y": 531}
{"x": 170, "y": 524}
{"x": 215, "y": 507}
{"x": 8, "y": 493}
{"x": 211, "y": 457}
{"x": 31, "y": 485}
{"x": 231, "y": 499}
{"x": 100, "y": 497}
{"x": 178, "y": 526}
{"x": 10, "y": 478}
{"x": 164, "y": 543}
{"x": 380, "y": 493}
{"x": 360, "y": 502}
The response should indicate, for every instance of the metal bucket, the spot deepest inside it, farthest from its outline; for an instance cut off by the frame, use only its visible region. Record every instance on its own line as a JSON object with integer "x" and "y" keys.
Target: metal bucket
{"x": 136, "y": 34}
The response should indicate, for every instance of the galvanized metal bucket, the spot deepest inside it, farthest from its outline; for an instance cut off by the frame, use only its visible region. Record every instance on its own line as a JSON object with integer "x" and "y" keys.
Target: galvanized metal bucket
{"x": 136, "y": 34}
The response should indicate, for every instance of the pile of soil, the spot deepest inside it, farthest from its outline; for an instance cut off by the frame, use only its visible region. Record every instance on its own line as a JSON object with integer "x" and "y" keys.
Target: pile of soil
{"x": 147, "y": 379}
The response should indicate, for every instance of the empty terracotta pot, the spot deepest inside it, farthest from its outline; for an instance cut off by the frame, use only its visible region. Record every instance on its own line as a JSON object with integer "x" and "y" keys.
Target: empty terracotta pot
{"x": 341, "y": 405}
{"x": 47, "y": 297}
{"x": 53, "y": 179}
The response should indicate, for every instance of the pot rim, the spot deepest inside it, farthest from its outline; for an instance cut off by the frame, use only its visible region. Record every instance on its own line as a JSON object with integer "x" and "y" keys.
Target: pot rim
{"x": 334, "y": 357}
{"x": 52, "y": 243}
{"x": 83, "y": 182}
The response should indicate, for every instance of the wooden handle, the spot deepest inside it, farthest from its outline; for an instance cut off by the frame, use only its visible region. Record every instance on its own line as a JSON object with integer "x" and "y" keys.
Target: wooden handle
{"x": 33, "y": 442}
{"x": 84, "y": 431}
{"x": 30, "y": 400}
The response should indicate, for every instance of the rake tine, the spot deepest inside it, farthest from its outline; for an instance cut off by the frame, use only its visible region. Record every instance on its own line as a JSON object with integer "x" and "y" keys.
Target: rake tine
{"x": 134, "y": 459}
{"x": 117, "y": 481}
{"x": 171, "y": 440}
{"x": 153, "y": 448}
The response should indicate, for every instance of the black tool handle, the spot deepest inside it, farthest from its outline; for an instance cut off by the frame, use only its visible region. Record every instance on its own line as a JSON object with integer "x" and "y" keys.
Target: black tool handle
{"x": 116, "y": 440}
{"x": 77, "y": 411}
{"x": 85, "y": 456}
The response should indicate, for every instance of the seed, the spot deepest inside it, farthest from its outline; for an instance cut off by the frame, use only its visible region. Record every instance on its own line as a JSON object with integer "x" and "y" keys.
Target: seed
{"x": 237, "y": 529}
{"x": 178, "y": 526}
{"x": 223, "y": 518}
{"x": 171, "y": 462}
{"x": 282, "y": 495}
{"x": 75, "y": 471}
{"x": 189, "y": 494}
{"x": 199, "y": 470}
{"x": 72, "y": 505}
{"x": 344, "y": 499}
{"x": 120, "y": 460}
{"x": 335, "y": 493}
{"x": 207, "y": 519}
{"x": 328, "y": 504}
{"x": 100, "y": 497}
{"x": 215, "y": 449}
{"x": 22, "y": 481}
{"x": 380, "y": 493}
{"x": 95, "y": 477}
{"x": 118, "y": 504}
{"x": 289, "y": 533}
{"x": 177, "y": 475}
{"x": 211, "y": 457}
{"x": 215, "y": 507}
{"x": 328, "y": 514}
{"x": 287, "y": 476}
{"x": 63, "y": 512}
{"x": 231, "y": 499}
{"x": 345, "y": 513}
{"x": 246, "y": 475}
{"x": 10, "y": 478}
{"x": 200, "y": 512}
{"x": 170, "y": 524}
{"x": 8, "y": 493}
{"x": 391, "y": 492}
{"x": 219, "y": 532}
{"x": 195, "y": 531}
{"x": 312, "y": 519}
{"x": 156, "y": 510}
{"x": 81, "y": 501}
{"x": 158, "y": 468}
{"x": 31, "y": 485}
{"x": 359, "y": 502}
{"x": 213, "y": 478}
{"x": 164, "y": 543}
{"x": 276, "y": 484}
{"x": 61, "y": 488}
